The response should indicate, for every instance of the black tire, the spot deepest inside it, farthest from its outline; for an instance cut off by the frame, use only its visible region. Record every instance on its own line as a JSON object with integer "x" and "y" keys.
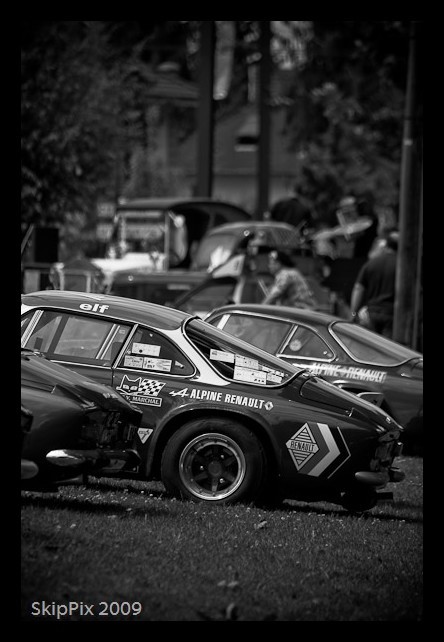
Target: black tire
{"x": 214, "y": 460}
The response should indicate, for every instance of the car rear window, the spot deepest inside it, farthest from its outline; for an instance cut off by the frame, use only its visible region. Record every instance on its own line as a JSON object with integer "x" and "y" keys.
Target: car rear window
{"x": 237, "y": 360}
{"x": 369, "y": 347}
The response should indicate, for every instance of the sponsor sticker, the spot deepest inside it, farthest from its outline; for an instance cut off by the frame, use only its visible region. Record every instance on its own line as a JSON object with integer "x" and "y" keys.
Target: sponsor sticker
{"x": 247, "y": 363}
{"x": 250, "y": 375}
{"x": 144, "y": 434}
{"x": 141, "y": 391}
{"x": 163, "y": 365}
{"x": 133, "y": 362}
{"x": 273, "y": 378}
{"x": 220, "y": 355}
{"x": 146, "y": 349}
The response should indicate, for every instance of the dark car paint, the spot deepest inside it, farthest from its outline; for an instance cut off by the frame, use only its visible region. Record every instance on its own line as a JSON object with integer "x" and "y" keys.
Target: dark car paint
{"x": 60, "y": 402}
{"x": 276, "y": 413}
{"x": 401, "y": 384}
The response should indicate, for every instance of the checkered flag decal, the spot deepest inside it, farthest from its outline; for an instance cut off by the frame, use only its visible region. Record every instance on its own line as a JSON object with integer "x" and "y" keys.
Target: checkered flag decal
{"x": 150, "y": 387}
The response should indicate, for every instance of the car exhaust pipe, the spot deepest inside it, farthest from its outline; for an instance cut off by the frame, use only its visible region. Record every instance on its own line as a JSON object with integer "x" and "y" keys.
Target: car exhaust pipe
{"x": 67, "y": 457}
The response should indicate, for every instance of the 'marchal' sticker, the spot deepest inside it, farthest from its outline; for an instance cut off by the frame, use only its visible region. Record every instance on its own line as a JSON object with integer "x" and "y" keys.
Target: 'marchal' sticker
{"x": 142, "y": 391}
{"x": 314, "y": 448}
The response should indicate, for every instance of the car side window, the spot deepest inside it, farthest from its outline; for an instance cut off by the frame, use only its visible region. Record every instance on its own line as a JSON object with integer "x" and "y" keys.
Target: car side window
{"x": 306, "y": 344}
{"x": 150, "y": 351}
{"x": 69, "y": 337}
{"x": 259, "y": 331}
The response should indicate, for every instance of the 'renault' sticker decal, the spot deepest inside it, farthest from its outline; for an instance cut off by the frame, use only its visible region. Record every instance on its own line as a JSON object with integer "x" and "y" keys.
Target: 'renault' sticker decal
{"x": 314, "y": 448}
{"x": 224, "y": 397}
{"x": 144, "y": 433}
{"x": 142, "y": 391}
{"x": 349, "y": 372}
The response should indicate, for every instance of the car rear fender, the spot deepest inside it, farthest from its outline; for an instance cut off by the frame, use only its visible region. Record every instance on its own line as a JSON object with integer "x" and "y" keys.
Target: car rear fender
{"x": 175, "y": 421}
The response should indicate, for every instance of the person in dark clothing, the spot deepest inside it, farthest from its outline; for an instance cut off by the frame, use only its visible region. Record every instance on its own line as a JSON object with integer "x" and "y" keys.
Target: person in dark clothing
{"x": 364, "y": 241}
{"x": 294, "y": 210}
{"x": 373, "y": 295}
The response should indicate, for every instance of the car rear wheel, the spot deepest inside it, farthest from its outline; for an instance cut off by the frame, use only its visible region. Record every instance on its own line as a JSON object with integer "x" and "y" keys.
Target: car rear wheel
{"x": 214, "y": 460}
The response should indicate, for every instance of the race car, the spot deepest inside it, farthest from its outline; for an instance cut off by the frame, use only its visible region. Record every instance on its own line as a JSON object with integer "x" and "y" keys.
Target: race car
{"x": 71, "y": 425}
{"x": 344, "y": 353}
{"x": 223, "y": 421}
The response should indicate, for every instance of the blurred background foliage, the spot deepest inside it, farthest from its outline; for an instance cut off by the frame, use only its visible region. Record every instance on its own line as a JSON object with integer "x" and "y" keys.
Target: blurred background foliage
{"x": 84, "y": 107}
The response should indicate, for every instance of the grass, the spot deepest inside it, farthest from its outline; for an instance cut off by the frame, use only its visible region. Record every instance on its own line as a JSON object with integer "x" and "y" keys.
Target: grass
{"x": 126, "y": 544}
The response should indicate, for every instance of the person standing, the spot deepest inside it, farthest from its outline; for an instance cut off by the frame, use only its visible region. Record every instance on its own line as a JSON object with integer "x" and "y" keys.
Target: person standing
{"x": 290, "y": 286}
{"x": 372, "y": 300}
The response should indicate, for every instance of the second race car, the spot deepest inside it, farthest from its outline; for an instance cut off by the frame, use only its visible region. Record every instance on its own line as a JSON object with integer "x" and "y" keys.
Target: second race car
{"x": 223, "y": 421}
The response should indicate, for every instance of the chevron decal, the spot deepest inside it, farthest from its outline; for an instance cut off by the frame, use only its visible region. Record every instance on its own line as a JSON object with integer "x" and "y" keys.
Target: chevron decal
{"x": 314, "y": 447}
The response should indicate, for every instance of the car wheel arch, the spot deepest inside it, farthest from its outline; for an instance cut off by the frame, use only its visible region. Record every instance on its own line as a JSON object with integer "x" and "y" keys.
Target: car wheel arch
{"x": 175, "y": 423}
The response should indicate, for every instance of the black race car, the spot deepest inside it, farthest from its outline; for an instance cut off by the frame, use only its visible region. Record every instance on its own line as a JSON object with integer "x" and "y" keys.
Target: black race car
{"x": 72, "y": 425}
{"x": 222, "y": 420}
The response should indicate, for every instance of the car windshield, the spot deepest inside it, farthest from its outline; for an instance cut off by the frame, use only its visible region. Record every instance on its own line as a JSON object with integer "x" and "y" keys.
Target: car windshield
{"x": 214, "y": 248}
{"x": 236, "y": 359}
{"x": 369, "y": 347}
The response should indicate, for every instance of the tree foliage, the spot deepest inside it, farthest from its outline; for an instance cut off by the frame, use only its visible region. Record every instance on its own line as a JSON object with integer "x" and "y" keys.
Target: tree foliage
{"x": 346, "y": 120}
{"x": 70, "y": 131}
{"x": 84, "y": 121}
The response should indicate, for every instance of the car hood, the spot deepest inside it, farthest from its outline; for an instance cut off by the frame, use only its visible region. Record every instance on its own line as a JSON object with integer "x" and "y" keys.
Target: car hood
{"x": 316, "y": 389}
{"x": 37, "y": 372}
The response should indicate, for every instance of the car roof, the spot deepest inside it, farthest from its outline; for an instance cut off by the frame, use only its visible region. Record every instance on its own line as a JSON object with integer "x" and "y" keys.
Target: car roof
{"x": 239, "y": 226}
{"x": 309, "y": 316}
{"x": 121, "y": 308}
{"x": 300, "y": 314}
{"x": 166, "y": 202}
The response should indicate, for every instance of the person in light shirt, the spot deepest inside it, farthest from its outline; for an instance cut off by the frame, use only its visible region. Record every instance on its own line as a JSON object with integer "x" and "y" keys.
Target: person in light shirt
{"x": 290, "y": 286}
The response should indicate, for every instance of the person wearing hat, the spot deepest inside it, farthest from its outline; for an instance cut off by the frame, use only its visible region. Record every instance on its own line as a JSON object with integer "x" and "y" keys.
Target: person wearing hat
{"x": 289, "y": 287}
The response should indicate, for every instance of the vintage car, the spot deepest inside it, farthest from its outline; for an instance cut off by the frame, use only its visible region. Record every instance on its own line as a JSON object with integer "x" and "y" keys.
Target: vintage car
{"x": 223, "y": 241}
{"x": 72, "y": 425}
{"x": 223, "y": 421}
{"x": 344, "y": 353}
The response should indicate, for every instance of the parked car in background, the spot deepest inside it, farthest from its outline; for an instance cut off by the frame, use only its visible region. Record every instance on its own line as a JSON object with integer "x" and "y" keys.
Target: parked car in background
{"x": 164, "y": 231}
{"x": 235, "y": 281}
{"x": 244, "y": 278}
{"x": 223, "y": 421}
{"x": 73, "y": 425}
{"x": 223, "y": 241}
{"x": 346, "y": 354}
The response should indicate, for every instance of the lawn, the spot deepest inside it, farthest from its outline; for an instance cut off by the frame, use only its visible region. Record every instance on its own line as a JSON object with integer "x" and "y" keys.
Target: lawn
{"x": 119, "y": 550}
